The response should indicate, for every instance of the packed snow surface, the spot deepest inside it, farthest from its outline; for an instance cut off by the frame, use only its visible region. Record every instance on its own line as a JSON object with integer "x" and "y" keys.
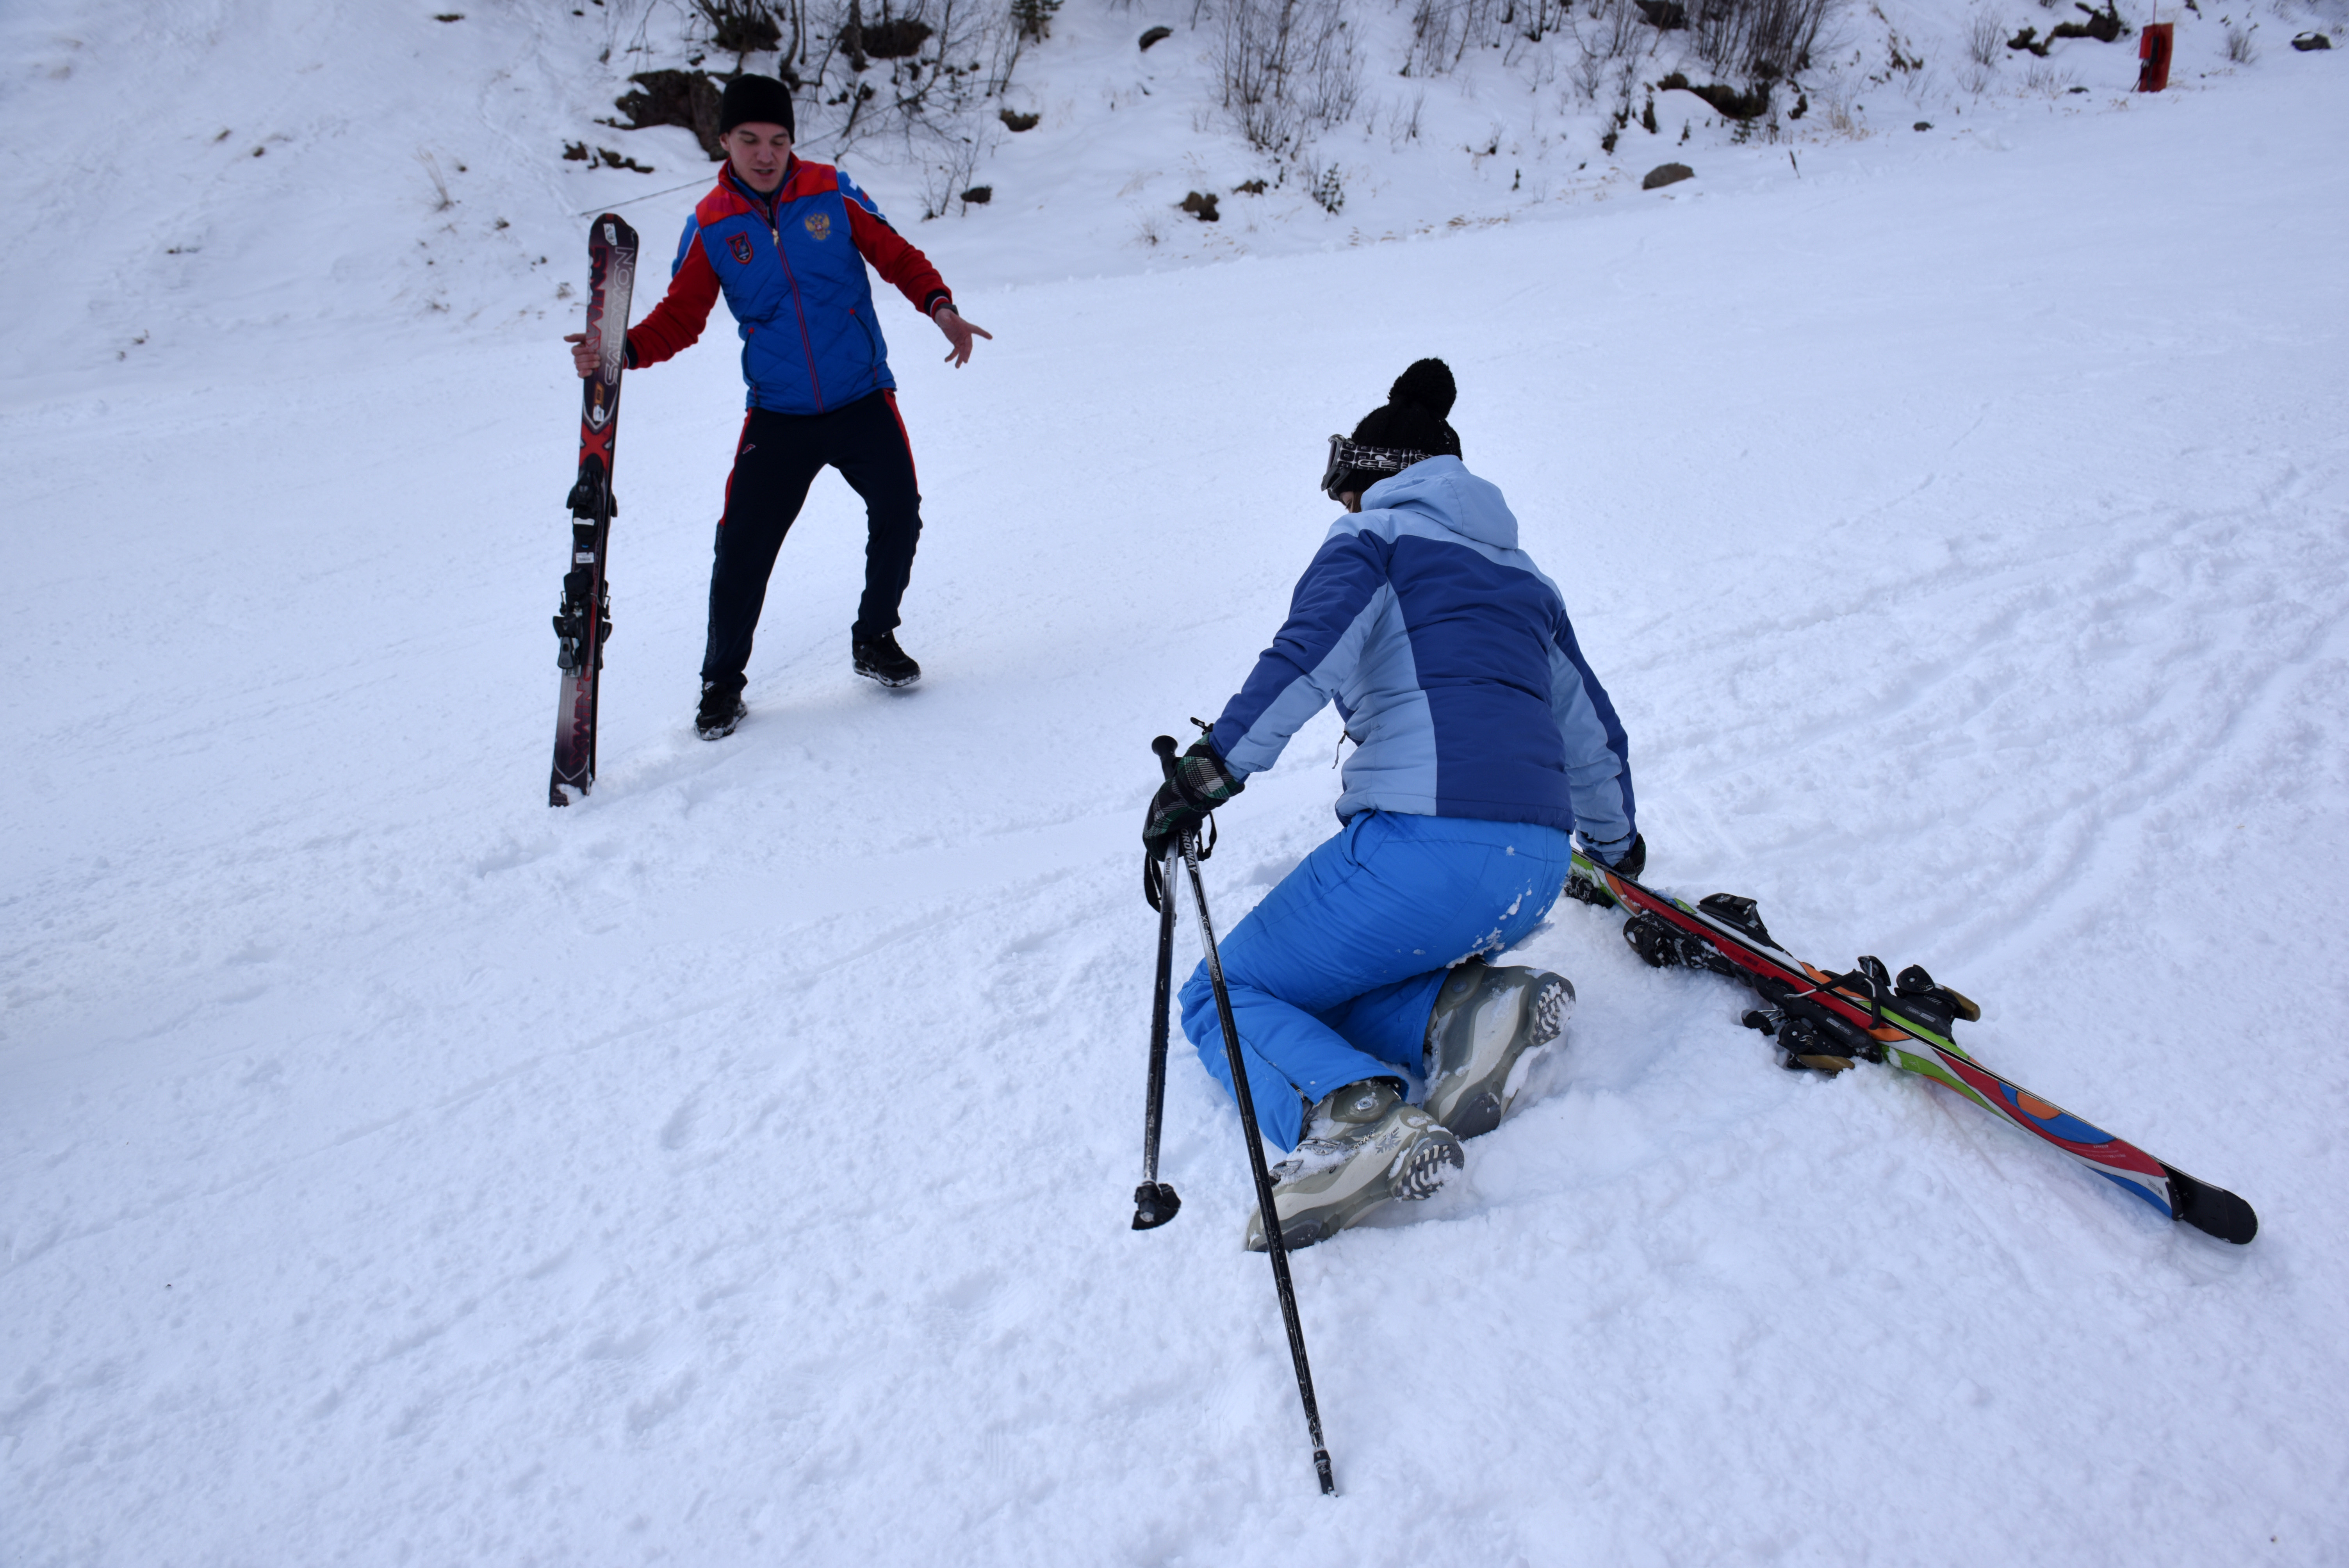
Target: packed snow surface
{"x": 736, "y": 1166}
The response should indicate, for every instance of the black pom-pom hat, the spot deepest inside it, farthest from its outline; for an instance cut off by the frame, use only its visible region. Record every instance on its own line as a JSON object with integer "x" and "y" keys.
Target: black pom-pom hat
{"x": 1408, "y": 428}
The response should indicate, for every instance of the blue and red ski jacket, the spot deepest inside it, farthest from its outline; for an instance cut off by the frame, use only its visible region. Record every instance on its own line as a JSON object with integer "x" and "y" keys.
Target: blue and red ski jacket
{"x": 792, "y": 268}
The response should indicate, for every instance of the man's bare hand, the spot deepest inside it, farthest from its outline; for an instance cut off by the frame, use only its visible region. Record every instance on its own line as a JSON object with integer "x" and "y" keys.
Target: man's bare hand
{"x": 580, "y": 356}
{"x": 959, "y": 333}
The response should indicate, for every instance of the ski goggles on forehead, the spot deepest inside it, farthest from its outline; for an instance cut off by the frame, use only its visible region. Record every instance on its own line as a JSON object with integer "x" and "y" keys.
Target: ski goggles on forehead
{"x": 1346, "y": 457}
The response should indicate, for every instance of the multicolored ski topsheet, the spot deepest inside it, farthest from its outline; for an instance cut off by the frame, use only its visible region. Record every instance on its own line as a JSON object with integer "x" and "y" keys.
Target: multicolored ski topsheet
{"x": 1827, "y": 1021}
{"x": 583, "y": 621}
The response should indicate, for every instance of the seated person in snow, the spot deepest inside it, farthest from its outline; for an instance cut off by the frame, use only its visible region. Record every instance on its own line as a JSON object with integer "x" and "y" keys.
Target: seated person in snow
{"x": 1482, "y": 741}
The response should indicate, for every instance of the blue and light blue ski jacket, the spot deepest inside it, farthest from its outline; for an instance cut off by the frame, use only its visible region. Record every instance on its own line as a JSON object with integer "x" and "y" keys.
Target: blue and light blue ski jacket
{"x": 1451, "y": 658}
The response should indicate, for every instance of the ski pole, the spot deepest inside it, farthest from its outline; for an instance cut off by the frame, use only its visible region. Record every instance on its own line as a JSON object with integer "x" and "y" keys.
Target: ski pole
{"x": 1155, "y": 1201}
{"x": 1276, "y": 1245}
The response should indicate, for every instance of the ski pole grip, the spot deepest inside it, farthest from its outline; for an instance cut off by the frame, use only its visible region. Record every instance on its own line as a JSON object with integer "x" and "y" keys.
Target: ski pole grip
{"x": 1165, "y": 747}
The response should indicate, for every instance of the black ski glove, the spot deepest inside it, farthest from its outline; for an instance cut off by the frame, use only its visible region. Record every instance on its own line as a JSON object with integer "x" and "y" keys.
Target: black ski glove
{"x": 1201, "y": 782}
{"x": 1628, "y": 862}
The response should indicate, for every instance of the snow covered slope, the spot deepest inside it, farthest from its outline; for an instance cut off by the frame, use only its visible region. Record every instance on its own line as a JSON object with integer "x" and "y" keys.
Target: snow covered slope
{"x": 735, "y": 1168}
{"x": 249, "y": 184}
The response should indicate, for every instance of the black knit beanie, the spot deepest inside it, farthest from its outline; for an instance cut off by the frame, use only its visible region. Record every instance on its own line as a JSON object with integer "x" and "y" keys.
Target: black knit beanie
{"x": 755, "y": 100}
{"x": 1410, "y": 421}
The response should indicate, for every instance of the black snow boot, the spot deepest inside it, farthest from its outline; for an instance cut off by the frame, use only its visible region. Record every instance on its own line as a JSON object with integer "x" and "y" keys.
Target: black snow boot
{"x": 881, "y": 659}
{"x": 722, "y": 709}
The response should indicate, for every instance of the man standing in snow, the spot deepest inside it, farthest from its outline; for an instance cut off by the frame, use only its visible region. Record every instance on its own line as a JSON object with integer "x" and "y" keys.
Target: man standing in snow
{"x": 1482, "y": 741}
{"x": 786, "y": 242}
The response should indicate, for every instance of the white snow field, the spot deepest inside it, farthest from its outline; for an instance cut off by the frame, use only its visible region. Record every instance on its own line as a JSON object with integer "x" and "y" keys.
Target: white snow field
{"x": 736, "y": 1167}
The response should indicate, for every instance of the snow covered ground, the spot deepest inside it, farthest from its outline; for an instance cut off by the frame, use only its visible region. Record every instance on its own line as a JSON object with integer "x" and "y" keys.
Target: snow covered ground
{"x": 736, "y": 1167}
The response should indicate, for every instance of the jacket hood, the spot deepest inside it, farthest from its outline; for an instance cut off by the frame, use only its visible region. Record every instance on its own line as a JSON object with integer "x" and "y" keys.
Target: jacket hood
{"x": 1442, "y": 489}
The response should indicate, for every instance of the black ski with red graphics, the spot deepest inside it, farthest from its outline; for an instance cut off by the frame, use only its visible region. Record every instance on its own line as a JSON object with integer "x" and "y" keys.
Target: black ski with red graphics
{"x": 584, "y": 621}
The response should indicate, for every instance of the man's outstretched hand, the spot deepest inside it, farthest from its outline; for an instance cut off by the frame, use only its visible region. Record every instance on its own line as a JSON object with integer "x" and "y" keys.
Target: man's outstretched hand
{"x": 579, "y": 355}
{"x": 959, "y": 333}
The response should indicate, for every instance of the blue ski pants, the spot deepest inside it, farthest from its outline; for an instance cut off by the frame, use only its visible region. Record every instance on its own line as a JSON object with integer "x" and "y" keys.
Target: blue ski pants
{"x": 1334, "y": 975}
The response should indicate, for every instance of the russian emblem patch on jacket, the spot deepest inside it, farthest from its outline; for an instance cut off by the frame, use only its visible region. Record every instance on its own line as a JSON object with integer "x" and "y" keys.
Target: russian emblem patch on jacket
{"x": 804, "y": 306}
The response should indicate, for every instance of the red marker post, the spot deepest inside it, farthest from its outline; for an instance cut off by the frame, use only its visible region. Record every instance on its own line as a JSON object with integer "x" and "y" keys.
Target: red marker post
{"x": 2153, "y": 57}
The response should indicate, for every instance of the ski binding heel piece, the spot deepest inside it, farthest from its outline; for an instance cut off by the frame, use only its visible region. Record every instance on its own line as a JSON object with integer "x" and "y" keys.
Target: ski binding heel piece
{"x": 1583, "y": 890}
{"x": 1659, "y": 946}
{"x": 1810, "y": 1037}
{"x": 1913, "y": 983}
{"x": 1802, "y": 1045}
{"x": 1734, "y": 910}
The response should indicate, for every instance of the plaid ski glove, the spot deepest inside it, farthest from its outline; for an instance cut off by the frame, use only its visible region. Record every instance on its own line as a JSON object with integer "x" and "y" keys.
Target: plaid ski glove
{"x": 1201, "y": 783}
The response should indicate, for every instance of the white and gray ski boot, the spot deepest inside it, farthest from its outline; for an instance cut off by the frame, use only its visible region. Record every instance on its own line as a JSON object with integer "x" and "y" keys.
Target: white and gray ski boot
{"x": 1488, "y": 1028}
{"x": 1362, "y": 1146}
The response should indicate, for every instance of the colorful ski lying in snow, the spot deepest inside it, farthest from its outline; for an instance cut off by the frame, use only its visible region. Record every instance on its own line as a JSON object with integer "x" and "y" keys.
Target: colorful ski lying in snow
{"x": 1827, "y": 1022}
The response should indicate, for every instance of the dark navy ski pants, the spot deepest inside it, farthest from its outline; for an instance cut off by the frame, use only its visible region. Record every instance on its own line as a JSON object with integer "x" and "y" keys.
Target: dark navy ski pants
{"x": 778, "y": 458}
{"x": 1334, "y": 975}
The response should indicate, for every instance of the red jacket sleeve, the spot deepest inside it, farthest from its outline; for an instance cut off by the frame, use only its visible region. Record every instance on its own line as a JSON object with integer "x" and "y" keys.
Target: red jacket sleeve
{"x": 900, "y": 264}
{"x": 683, "y": 312}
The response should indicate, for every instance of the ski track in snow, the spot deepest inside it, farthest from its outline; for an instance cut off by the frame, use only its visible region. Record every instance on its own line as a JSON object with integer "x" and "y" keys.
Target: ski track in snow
{"x": 735, "y": 1168}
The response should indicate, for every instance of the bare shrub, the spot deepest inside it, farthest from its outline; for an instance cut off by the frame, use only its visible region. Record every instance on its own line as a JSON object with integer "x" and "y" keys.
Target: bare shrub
{"x": 1287, "y": 68}
{"x": 948, "y": 163}
{"x": 897, "y": 37}
{"x": 1608, "y": 33}
{"x": 742, "y": 26}
{"x": 2051, "y": 80}
{"x": 1034, "y": 18}
{"x": 792, "y": 19}
{"x": 442, "y": 200}
{"x": 1402, "y": 120}
{"x": 2240, "y": 47}
{"x": 1443, "y": 30}
{"x": 1974, "y": 78}
{"x": 1985, "y": 39}
{"x": 1759, "y": 39}
{"x": 917, "y": 83}
{"x": 1586, "y": 71}
{"x": 1540, "y": 18}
